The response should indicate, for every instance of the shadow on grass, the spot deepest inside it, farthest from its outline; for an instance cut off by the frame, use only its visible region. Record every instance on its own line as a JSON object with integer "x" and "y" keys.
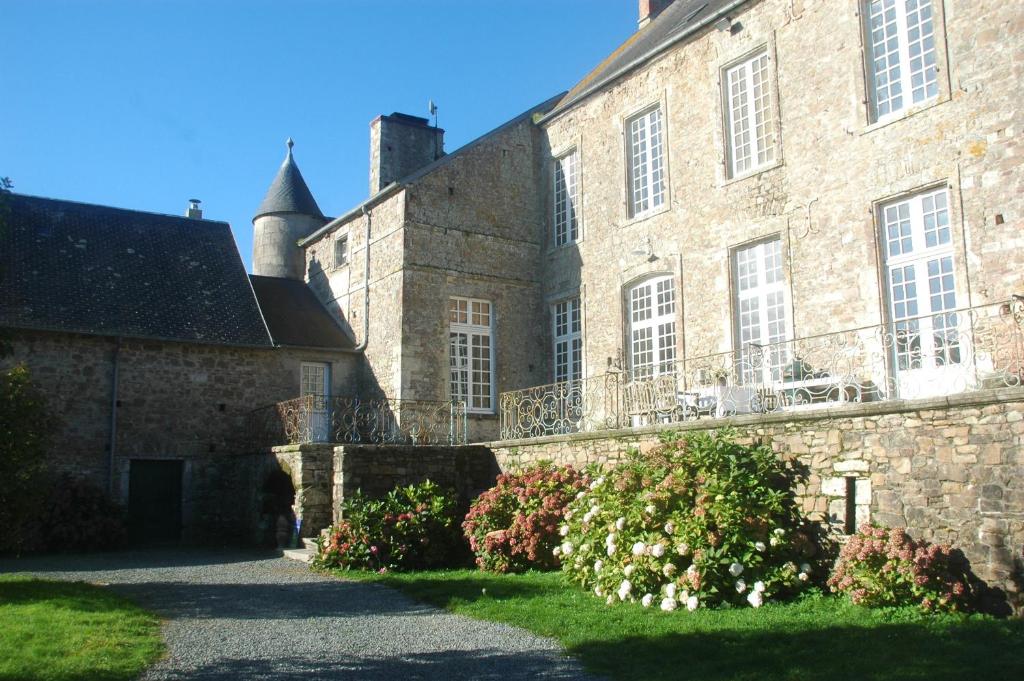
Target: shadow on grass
{"x": 55, "y": 594}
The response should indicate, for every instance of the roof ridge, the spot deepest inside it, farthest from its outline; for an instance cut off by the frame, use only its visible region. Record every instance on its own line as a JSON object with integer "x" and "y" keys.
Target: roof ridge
{"x": 120, "y": 209}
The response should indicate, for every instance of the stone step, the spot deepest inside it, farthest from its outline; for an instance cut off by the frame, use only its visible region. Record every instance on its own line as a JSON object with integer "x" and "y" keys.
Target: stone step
{"x": 303, "y": 555}
{"x": 309, "y": 543}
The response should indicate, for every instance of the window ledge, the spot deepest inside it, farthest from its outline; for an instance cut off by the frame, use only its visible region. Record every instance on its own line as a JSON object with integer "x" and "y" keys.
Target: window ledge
{"x": 664, "y": 208}
{"x": 760, "y": 170}
{"x": 903, "y": 114}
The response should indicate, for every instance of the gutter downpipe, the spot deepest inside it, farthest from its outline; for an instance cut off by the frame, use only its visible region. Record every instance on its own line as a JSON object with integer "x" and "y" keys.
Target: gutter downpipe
{"x": 113, "y": 418}
{"x": 366, "y": 284}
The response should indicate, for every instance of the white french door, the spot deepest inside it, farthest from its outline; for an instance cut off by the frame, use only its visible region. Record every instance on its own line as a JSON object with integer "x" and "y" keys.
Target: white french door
{"x": 316, "y": 385}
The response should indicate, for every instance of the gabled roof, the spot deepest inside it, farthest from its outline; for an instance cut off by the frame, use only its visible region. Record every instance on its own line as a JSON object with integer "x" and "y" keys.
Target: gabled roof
{"x": 81, "y": 268}
{"x": 288, "y": 192}
{"x": 294, "y": 315}
{"x": 676, "y": 22}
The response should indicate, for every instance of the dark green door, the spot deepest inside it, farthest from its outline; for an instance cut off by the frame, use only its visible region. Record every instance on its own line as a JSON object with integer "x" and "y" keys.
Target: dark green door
{"x": 154, "y": 501}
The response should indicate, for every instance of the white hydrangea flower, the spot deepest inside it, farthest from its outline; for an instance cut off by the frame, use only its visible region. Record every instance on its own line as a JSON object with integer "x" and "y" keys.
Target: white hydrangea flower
{"x": 600, "y": 480}
{"x": 610, "y": 539}
{"x": 598, "y": 564}
{"x": 611, "y": 550}
{"x": 628, "y": 571}
{"x": 594, "y": 484}
{"x": 683, "y": 549}
{"x": 805, "y": 567}
{"x": 658, "y": 550}
{"x": 778, "y": 531}
{"x": 647, "y": 600}
{"x": 594, "y": 509}
{"x": 735, "y": 569}
{"x": 692, "y": 603}
{"x": 670, "y": 590}
{"x": 568, "y": 515}
{"x": 755, "y": 599}
{"x": 741, "y": 586}
{"x": 620, "y": 523}
{"x": 692, "y": 570}
{"x": 610, "y": 600}
{"x": 587, "y": 516}
{"x": 624, "y": 588}
{"x": 598, "y": 591}
{"x": 567, "y": 548}
{"x": 759, "y": 586}
{"x": 563, "y": 530}
{"x": 557, "y": 551}
{"x": 585, "y": 548}
{"x": 668, "y": 604}
{"x": 669, "y": 569}
{"x": 580, "y": 494}
{"x": 760, "y": 546}
{"x": 774, "y": 541}
{"x": 639, "y": 548}
{"x": 649, "y": 508}
{"x": 670, "y": 527}
{"x": 803, "y": 576}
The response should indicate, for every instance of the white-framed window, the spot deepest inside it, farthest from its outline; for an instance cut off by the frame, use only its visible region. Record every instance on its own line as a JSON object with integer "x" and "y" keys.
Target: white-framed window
{"x": 750, "y": 115}
{"x": 762, "y": 324}
{"x": 921, "y": 281}
{"x": 341, "y": 251}
{"x": 901, "y": 55}
{"x": 471, "y": 353}
{"x": 652, "y": 327}
{"x": 566, "y": 198}
{"x": 567, "y": 333}
{"x": 645, "y": 155}
{"x": 315, "y": 387}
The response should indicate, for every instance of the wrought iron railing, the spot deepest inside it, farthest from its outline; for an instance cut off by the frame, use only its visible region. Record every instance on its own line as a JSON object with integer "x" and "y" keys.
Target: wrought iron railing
{"x": 952, "y": 352}
{"x": 351, "y": 420}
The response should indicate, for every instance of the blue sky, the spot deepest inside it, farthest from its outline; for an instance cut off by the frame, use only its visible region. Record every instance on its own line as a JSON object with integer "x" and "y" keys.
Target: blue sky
{"x": 145, "y": 104}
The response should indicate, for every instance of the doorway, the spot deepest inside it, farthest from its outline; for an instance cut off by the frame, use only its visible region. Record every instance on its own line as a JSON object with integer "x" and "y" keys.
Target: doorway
{"x": 154, "y": 501}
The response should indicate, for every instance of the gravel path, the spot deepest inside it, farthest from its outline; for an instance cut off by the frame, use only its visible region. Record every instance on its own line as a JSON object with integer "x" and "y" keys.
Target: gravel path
{"x": 234, "y": 615}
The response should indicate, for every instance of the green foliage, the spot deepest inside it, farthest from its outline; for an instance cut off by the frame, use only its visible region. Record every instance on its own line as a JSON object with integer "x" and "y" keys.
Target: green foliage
{"x": 699, "y": 521}
{"x": 885, "y": 567}
{"x": 513, "y": 526}
{"x": 78, "y": 516}
{"x": 413, "y": 527}
{"x": 813, "y": 637}
{"x": 58, "y": 631}
{"x": 23, "y": 424}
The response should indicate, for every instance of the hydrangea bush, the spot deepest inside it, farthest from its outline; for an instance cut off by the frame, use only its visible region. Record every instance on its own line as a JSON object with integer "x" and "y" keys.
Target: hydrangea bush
{"x": 514, "y": 526}
{"x": 413, "y": 527}
{"x": 885, "y": 567}
{"x": 698, "y": 522}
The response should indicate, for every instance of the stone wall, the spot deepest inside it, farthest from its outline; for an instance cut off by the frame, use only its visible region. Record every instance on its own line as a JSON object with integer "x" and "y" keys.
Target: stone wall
{"x": 950, "y": 469}
{"x": 311, "y": 468}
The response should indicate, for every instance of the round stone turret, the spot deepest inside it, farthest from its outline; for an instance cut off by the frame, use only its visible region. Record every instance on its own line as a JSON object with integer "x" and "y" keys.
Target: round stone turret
{"x": 288, "y": 213}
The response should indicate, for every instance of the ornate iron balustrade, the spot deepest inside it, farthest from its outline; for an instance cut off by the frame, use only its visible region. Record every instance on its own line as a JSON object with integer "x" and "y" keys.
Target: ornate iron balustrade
{"x": 315, "y": 418}
{"x": 956, "y": 351}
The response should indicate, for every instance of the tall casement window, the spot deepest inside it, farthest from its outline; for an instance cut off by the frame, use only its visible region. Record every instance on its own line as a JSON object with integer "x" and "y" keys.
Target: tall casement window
{"x": 760, "y": 308}
{"x": 751, "y": 119}
{"x": 471, "y": 353}
{"x": 341, "y": 251}
{"x": 652, "y": 327}
{"x": 646, "y": 159}
{"x": 566, "y": 187}
{"x": 901, "y": 54}
{"x": 921, "y": 281}
{"x": 568, "y": 340}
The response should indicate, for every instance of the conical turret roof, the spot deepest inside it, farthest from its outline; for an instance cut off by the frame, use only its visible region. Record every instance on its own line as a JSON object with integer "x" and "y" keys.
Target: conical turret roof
{"x": 289, "y": 193}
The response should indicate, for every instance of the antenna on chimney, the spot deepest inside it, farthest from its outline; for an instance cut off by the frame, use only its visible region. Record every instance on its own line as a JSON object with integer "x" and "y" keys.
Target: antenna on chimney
{"x": 432, "y": 109}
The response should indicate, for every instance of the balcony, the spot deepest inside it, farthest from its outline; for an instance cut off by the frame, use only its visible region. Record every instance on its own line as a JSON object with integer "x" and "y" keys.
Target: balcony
{"x": 930, "y": 356}
{"x": 351, "y": 420}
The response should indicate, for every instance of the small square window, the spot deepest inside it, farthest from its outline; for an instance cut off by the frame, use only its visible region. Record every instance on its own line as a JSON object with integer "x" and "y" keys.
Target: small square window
{"x": 341, "y": 251}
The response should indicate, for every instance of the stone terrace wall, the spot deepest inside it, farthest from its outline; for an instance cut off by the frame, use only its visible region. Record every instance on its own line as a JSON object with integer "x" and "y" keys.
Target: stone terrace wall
{"x": 948, "y": 469}
{"x": 377, "y": 469}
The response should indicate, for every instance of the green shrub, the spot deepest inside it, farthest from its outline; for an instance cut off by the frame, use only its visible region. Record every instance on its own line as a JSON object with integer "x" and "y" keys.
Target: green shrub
{"x": 884, "y": 567}
{"x": 699, "y": 521}
{"x": 514, "y": 526}
{"x": 23, "y": 424}
{"x": 412, "y": 528}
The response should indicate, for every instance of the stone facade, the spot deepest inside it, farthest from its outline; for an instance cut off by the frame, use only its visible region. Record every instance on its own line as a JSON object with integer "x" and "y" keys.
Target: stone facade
{"x": 948, "y": 469}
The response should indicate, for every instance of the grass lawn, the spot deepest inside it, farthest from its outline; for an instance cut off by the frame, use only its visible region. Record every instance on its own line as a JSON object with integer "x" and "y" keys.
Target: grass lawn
{"x": 58, "y": 631}
{"x": 818, "y": 637}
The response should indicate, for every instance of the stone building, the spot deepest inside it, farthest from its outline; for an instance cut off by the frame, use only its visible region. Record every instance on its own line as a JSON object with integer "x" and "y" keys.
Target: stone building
{"x": 752, "y": 208}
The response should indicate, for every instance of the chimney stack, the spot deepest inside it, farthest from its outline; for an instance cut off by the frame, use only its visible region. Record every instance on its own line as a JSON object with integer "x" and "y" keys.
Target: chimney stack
{"x": 194, "y": 211}
{"x": 401, "y": 144}
{"x": 650, "y": 9}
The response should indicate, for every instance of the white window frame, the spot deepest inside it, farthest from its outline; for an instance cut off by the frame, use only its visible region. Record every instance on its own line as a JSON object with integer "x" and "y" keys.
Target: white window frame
{"x": 651, "y": 307}
{"x": 315, "y": 384}
{"x": 471, "y": 324}
{"x": 567, "y": 340}
{"x": 898, "y": 51}
{"x": 341, "y": 241}
{"x": 751, "y": 130}
{"x": 917, "y": 240}
{"x": 565, "y": 184}
{"x": 646, "y": 172}
{"x": 761, "y": 310}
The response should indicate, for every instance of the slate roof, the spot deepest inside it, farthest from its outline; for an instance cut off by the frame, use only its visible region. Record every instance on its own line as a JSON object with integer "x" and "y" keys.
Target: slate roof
{"x": 76, "y": 267}
{"x": 673, "y": 24}
{"x": 288, "y": 192}
{"x": 295, "y": 316}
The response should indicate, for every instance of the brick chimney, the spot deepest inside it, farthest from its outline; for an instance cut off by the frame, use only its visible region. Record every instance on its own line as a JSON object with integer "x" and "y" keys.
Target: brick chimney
{"x": 650, "y": 9}
{"x": 401, "y": 144}
{"x": 194, "y": 211}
